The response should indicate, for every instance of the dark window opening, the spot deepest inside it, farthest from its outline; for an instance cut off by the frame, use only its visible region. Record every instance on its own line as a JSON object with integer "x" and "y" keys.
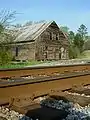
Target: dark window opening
{"x": 59, "y": 55}
{"x": 46, "y": 55}
{"x": 46, "y": 47}
{"x": 16, "y": 51}
{"x": 57, "y": 37}
{"x": 50, "y": 36}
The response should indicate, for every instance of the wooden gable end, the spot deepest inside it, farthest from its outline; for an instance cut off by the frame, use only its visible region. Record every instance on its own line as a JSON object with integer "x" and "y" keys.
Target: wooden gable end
{"x": 49, "y": 43}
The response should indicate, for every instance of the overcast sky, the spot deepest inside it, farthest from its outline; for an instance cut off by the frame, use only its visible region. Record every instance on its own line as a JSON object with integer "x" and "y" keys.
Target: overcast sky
{"x": 70, "y": 13}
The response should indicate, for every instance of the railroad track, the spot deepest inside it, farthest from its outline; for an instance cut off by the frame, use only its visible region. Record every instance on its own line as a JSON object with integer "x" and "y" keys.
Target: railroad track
{"x": 22, "y": 96}
{"x": 43, "y": 70}
{"x": 21, "y": 88}
{"x": 40, "y": 79}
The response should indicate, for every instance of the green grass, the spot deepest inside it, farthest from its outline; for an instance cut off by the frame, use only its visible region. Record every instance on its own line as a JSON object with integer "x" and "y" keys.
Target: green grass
{"x": 85, "y": 54}
{"x": 23, "y": 64}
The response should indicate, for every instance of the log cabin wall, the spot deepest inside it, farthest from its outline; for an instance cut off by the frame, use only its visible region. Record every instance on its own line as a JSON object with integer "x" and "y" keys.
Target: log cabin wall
{"x": 24, "y": 51}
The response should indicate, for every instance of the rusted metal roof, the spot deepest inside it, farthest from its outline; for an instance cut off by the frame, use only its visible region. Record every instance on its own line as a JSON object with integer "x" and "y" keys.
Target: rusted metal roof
{"x": 31, "y": 32}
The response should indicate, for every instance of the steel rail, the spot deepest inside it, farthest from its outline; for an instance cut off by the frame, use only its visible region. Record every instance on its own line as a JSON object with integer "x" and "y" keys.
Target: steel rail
{"x": 42, "y": 79}
{"x": 47, "y": 70}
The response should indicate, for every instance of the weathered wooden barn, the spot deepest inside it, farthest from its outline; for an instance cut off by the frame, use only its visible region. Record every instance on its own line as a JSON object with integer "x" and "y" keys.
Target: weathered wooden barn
{"x": 41, "y": 41}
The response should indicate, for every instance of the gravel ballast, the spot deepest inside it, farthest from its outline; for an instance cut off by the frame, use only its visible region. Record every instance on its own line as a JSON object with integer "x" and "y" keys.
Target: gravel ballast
{"x": 72, "y": 111}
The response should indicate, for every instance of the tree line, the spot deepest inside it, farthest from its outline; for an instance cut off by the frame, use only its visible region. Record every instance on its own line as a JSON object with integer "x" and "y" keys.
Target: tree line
{"x": 76, "y": 40}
